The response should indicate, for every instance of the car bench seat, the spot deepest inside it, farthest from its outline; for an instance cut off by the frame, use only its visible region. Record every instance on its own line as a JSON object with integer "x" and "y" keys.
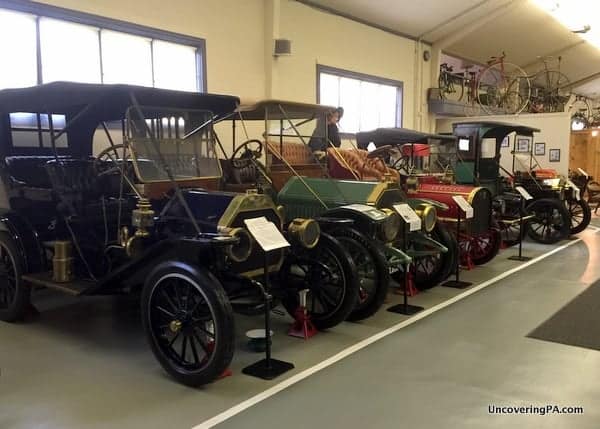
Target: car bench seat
{"x": 354, "y": 163}
{"x": 80, "y": 189}
{"x": 29, "y": 171}
{"x": 294, "y": 153}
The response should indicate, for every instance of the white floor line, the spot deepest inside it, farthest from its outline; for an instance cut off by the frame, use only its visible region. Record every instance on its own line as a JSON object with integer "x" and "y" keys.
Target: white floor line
{"x": 236, "y": 409}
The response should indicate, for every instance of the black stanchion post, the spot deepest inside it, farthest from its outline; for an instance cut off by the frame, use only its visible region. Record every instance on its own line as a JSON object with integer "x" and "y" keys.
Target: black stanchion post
{"x": 457, "y": 283}
{"x": 267, "y": 368}
{"x": 405, "y": 308}
{"x": 520, "y": 256}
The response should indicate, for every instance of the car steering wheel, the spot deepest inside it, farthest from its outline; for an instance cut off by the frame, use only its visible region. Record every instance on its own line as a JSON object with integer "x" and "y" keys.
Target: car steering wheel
{"x": 401, "y": 166}
{"x": 105, "y": 156}
{"x": 244, "y": 155}
{"x": 380, "y": 152}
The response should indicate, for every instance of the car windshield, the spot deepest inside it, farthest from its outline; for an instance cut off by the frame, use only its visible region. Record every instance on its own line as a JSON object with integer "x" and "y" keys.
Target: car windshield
{"x": 171, "y": 141}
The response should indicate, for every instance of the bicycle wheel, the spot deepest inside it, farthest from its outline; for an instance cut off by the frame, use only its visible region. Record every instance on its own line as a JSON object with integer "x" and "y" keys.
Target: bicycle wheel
{"x": 443, "y": 85}
{"x": 498, "y": 85}
{"x": 581, "y": 113}
{"x": 552, "y": 94}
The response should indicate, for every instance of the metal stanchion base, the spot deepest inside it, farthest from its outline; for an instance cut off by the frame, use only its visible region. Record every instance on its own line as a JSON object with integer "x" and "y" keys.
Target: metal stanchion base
{"x": 457, "y": 284}
{"x": 273, "y": 370}
{"x": 519, "y": 258}
{"x": 407, "y": 309}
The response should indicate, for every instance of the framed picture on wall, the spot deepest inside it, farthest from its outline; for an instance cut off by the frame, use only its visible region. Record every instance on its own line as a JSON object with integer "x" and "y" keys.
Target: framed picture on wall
{"x": 505, "y": 142}
{"x": 554, "y": 155}
{"x": 523, "y": 144}
{"x": 539, "y": 149}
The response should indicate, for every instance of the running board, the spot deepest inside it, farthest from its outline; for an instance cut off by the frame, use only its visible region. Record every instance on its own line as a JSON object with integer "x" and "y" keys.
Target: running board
{"x": 75, "y": 287}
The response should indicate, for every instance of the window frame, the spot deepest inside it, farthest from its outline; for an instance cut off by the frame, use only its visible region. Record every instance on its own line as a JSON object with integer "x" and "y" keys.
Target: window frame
{"x": 366, "y": 78}
{"x": 40, "y": 10}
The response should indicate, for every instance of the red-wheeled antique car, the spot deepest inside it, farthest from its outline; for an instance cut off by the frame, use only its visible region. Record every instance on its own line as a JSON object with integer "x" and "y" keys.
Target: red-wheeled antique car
{"x": 424, "y": 162}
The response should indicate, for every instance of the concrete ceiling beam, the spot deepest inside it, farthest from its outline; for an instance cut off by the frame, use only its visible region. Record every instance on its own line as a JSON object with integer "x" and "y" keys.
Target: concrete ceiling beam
{"x": 477, "y": 23}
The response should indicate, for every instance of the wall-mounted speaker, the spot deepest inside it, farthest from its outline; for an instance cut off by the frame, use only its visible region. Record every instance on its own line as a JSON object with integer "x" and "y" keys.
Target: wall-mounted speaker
{"x": 282, "y": 47}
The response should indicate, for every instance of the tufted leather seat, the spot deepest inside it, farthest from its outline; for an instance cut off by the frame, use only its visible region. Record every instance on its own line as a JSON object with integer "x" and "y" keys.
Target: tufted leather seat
{"x": 352, "y": 163}
{"x": 29, "y": 171}
{"x": 292, "y": 152}
{"x": 75, "y": 176}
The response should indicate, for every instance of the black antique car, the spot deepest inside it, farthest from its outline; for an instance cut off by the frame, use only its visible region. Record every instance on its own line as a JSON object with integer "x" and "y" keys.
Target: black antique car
{"x": 548, "y": 215}
{"x": 137, "y": 219}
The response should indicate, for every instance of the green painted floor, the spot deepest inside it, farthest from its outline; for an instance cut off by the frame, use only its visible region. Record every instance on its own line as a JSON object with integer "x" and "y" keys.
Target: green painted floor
{"x": 85, "y": 363}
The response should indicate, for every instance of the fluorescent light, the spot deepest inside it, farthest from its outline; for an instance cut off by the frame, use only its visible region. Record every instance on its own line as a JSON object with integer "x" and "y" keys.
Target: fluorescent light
{"x": 575, "y": 15}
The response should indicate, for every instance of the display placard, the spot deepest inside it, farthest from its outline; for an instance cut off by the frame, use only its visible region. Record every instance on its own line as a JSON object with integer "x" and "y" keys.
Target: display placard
{"x": 266, "y": 234}
{"x": 370, "y": 211}
{"x": 582, "y": 171}
{"x": 575, "y": 189}
{"x": 409, "y": 216}
{"x": 464, "y": 206}
{"x": 524, "y": 193}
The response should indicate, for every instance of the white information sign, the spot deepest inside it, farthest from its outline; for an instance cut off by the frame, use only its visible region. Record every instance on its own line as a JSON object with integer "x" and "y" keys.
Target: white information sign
{"x": 266, "y": 234}
{"x": 582, "y": 171}
{"x": 524, "y": 193}
{"x": 576, "y": 189}
{"x": 464, "y": 206}
{"x": 409, "y": 216}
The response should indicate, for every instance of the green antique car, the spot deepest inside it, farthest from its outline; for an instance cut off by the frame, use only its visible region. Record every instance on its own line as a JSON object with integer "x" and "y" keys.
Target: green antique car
{"x": 297, "y": 180}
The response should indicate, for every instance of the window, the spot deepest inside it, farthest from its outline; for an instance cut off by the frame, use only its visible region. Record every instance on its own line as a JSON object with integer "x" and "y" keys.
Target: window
{"x": 34, "y": 130}
{"x": 126, "y": 59}
{"x": 18, "y": 50}
{"x": 79, "y": 47}
{"x": 69, "y": 52}
{"x": 369, "y": 102}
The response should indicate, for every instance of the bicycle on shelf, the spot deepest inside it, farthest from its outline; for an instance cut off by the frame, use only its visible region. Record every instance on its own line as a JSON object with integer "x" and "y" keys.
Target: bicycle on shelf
{"x": 446, "y": 82}
{"x": 581, "y": 113}
{"x": 459, "y": 86}
{"x": 549, "y": 88}
{"x": 503, "y": 87}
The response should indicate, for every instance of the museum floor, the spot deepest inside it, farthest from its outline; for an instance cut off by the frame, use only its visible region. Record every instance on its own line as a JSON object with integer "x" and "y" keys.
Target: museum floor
{"x": 85, "y": 363}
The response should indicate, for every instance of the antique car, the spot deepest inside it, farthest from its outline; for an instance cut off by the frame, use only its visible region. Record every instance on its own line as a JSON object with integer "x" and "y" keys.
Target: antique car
{"x": 137, "y": 219}
{"x": 299, "y": 181}
{"x": 422, "y": 161}
{"x": 478, "y": 163}
{"x": 540, "y": 182}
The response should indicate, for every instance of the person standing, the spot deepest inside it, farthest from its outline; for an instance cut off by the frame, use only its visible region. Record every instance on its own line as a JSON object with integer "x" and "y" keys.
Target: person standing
{"x": 327, "y": 132}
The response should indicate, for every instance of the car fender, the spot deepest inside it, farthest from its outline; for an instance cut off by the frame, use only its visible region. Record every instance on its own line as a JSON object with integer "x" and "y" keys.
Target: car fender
{"x": 26, "y": 239}
{"x": 415, "y": 202}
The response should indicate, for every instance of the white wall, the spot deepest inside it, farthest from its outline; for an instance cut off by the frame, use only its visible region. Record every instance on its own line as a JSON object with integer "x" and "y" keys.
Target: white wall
{"x": 321, "y": 38}
{"x": 555, "y": 132}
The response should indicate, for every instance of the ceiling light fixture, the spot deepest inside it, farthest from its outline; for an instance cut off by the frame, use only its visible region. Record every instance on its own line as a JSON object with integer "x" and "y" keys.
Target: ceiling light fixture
{"x": 575, "y": 16}
{"x": 584, "y": 30}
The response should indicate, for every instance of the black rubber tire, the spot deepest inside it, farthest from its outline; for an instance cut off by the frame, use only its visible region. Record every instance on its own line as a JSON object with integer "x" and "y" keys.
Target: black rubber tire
{"x": 443, "y": 264}
{"x": 542, "y": 206}
{"x": 449, "y": 259}
{"x": 220, "y": 352}
{"x": 492, "y": 250}
{"x": 581, "y": 215}
{"x": 15, "y": 300}
{"x": 371, "y": 302}
{"x": 346, "y": 302}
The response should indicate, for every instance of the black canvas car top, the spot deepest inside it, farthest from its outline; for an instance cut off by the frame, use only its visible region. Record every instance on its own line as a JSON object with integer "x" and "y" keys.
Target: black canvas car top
{"x": 491, "y": 129}
{"x": 108, "y": 102}
{"x": 396, "y": 136}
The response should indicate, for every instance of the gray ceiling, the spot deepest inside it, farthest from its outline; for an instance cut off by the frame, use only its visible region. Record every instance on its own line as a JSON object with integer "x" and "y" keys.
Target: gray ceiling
{"x": 477, "y": 29}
